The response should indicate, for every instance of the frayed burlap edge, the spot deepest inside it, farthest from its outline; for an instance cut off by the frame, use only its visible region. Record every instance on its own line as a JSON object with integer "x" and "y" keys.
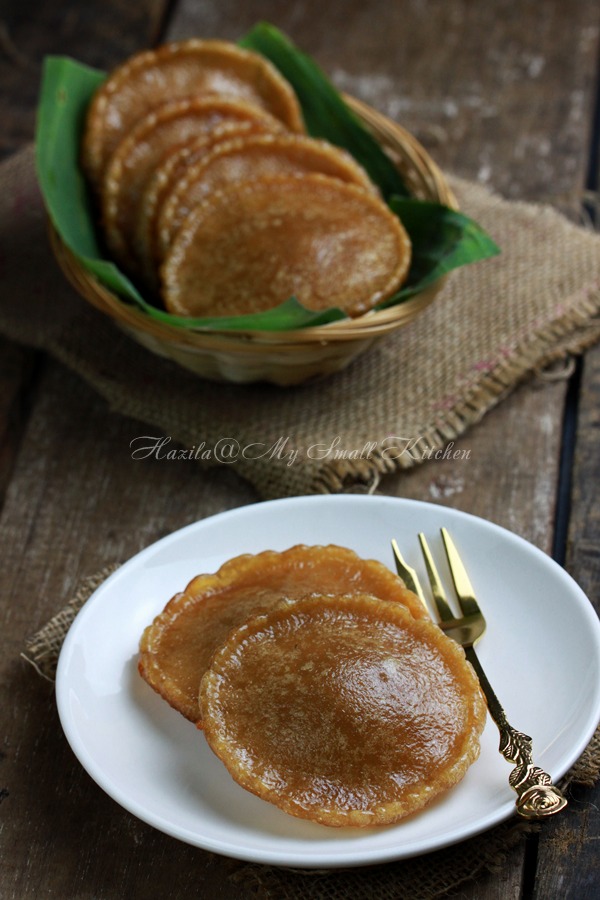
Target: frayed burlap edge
{"x": 42, "y": 649}
{"x": 570, "y": 335}
{"x": 420, "y": 878}
{"x": 586, "y": 770}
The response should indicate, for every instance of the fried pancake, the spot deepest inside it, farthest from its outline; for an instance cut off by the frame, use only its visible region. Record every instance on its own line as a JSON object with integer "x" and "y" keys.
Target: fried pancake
{"x": 172, "y": 72}
{"x": 345, "y": 710}
{"x": 251, "y": 246}
{"x": 136, "y": 157}
{"x": 174, "y": 164}
{"x": 247, "y": 158}
{"x": 175, "y": 650}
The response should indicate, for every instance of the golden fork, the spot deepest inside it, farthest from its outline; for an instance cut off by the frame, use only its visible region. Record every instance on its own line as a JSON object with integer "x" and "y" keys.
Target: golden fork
{"x": 536, "y": 795}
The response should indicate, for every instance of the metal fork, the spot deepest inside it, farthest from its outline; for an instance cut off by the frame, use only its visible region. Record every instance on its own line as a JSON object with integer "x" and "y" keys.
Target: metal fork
{"x": 536, "y": 795}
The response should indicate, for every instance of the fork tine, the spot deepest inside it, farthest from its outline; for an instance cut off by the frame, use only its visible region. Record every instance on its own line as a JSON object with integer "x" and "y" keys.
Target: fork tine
{"x": 462, "y": 584}
{"x": 408, "y": 574}
{"x": 537, "y": 796}
{"x": 439, "y": 596}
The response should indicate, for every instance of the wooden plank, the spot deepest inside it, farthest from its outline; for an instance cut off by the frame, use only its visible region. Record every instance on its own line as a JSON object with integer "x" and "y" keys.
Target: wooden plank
{"x": 583, "y": 555}
{"x": 99, "y": 34}
{"x": 516, "y": 465}
{"x": 16, "y": 377}
{"x": 500, "y": 91}
{"x": 77, "y": 500}
{"x": 568, "y": 863}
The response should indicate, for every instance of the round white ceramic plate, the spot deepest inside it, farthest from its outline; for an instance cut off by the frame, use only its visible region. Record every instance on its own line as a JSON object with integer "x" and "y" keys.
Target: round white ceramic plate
{"x": 541, "y": 652}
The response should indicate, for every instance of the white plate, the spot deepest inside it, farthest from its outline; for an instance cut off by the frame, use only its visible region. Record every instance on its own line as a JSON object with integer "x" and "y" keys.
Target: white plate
{"x": 541, "y": 652}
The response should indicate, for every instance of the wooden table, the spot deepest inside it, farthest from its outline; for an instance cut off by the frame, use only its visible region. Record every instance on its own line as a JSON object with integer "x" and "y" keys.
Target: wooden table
{"x": 502, "y": 92}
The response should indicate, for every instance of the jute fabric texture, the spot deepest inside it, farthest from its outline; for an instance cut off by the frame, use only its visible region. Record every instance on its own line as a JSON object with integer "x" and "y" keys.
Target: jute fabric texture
{"x": 412, "y": 393}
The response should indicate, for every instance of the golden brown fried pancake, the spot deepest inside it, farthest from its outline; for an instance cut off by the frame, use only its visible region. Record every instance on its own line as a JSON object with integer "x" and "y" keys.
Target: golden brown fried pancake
{"x": 173, "y": 165}
{"x": 176, "y": 649}
{"x": 253, "y": 245}
{"x": 344, "y": 710}
{"x": 132, "y": 164}
{"x": 245, "y": 159}
{"x": 172, "y": 72}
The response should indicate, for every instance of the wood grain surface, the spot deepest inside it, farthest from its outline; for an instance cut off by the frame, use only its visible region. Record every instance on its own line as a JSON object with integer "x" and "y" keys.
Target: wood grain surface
{"x": 502, "y": 92}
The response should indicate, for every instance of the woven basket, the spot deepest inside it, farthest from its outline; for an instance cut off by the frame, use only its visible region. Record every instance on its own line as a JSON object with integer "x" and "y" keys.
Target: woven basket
{"x": 286, "y": 357}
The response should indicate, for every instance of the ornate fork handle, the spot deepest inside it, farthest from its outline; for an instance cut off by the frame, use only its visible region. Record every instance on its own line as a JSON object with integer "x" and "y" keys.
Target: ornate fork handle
{"x": 536, "y": 795}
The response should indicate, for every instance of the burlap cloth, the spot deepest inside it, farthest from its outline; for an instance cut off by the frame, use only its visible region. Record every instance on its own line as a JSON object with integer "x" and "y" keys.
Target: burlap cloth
{"x": 494, "y": 323}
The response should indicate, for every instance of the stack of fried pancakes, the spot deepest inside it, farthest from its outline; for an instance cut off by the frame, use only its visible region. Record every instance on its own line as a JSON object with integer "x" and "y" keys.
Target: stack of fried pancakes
{"x": 213, "y": 198}
{"x": 320, "y": 682}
